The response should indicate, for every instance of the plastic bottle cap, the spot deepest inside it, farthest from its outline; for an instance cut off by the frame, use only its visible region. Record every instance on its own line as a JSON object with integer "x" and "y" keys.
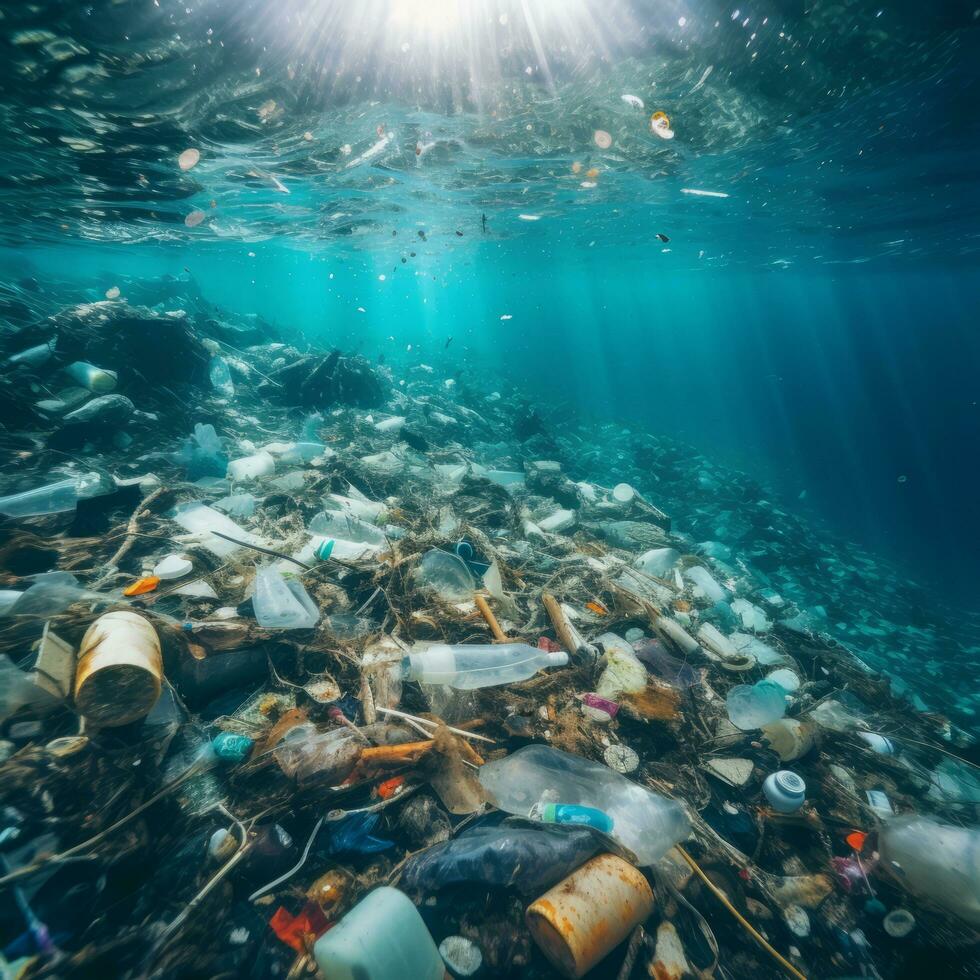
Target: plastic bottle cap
{"x": 559, "y": 659}
{"x": 789, "y": 782}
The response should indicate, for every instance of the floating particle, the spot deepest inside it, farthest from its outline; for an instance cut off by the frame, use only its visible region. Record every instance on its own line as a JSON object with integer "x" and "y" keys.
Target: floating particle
{"x": 194, "y": 219}
{"x": 382, "y": 277}
{"x": 602, "y": 139}
{"x": 662, "y": 237}
{"x": 592, "y": 173}
{"x": 361, "y": 309}
{"x": 660, "y": 126}
{"x": 112, "y": 292}
{"x": 507, "y": 316}
{"x": 701, "y": 254}
{"x": 681, "y": 21}
{"x": 502, "y": 20}
{"x": 308, "y": 136}
{"x": 421, "y": 234}
{"x": 529, "y": 217}
{"x": 697, "y": 193}
{"x": 588, "y": 184}
{"x": 189, "y": 159}
{"x": 459, "y": 234}
{"x": 576, "y": 167}
{"x": 903, "y": 479}
{"x": 406, "y": 47}
{"x": 251, "y": 255}
{"x": 380, "y": 129}
{"x": 267, "y": 109}
{"x": 633, "y": 100}
{"x": 346, "y": 150}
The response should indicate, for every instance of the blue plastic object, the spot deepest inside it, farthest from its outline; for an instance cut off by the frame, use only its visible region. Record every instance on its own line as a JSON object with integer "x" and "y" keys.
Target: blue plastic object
{"x": 353, "y": 835}
{"x": 474, "y": 562}
{"x": 229, "y": 747}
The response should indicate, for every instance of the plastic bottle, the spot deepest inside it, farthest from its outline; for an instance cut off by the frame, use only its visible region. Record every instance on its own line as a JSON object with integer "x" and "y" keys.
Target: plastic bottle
{"x": 467, "y": 667}
{"x": 346, "y": 527}
{"x": 380, "y": 938}
{"x": 645, "y": 822}
{"x": 94, "y": 378}
{"x": 54, "y": 498}
{"x": 281, "y": 603}
{"x": 197, "y": 518}
{"x": 251, "y": 467}
{"x": 934, "y": 861}
{"x": 220, "y": 375}
{"x": 585, "y": 917}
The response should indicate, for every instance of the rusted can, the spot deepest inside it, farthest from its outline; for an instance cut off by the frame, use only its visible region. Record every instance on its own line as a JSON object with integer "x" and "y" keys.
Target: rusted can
{"x": 585, "y": 917}
{"x": 120, "y": 670}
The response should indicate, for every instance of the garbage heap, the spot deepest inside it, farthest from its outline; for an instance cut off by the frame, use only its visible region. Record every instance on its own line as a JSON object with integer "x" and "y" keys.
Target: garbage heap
{"x": 308, "y": 666}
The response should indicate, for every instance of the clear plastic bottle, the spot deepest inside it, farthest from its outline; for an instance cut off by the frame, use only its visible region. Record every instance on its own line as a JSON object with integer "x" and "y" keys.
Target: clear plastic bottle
{"x": 346, "y": 527}
{"x": 645, "y": 822}
{"x": 935, "y": 861}
{"x": 467, "y": 667}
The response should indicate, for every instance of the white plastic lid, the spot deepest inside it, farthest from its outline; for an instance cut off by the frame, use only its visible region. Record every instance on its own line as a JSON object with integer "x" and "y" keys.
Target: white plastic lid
{"x": 623, "y": 492}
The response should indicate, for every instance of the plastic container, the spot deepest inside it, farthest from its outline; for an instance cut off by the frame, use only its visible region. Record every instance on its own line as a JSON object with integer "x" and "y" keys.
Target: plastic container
{"x": 94, "y": 378}
{"x": 467, "y": 667}
{"x": 198, "y": 518}
{"x": 383, "y": 937}
{"x": 220, "y": 375}
{"x": 281, "y": 603}
{"x": 643, "y": 821}
{"x": 33, "y": 356}
{"x": 657, "y": 561}
{"x": 878, "y": 743}
{"x": 251, "y": 467}
{"x": 54, "y": 498}
{"x": 585, "y": 917}
{"x": 366, "y": 510}
{"x": 934, "y": 861}
{"x": 754, "y": 705}
{"x": 702, "y": 579}
{"x": 120, "y": 670}
{"x": 788, "y": 738}
{"x": 306, "y": 754}
{"x": 623, "y": 493}
{"x": 785, "y": 791}
{"x": 447, "y": 574}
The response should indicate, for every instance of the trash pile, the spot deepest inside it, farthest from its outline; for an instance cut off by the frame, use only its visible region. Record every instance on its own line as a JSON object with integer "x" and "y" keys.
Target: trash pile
{"x": 311, "y": 666}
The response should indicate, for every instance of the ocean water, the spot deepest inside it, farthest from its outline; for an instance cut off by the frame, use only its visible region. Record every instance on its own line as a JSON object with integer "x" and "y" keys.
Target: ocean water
{"x": 788, "y": 282}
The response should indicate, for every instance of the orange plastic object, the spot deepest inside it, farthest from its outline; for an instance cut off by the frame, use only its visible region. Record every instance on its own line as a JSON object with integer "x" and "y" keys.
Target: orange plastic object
{"x": 856, "y": 839}
{"x": 660, "y": 117}
{"x": 598, "y": 608}
{"x": 293, "y": 930}
{"x": 142, "y": 586}
{"x": 389, "y": 787}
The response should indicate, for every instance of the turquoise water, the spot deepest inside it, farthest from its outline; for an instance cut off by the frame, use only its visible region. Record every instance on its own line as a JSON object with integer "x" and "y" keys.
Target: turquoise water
{"x": 384, "y": 176}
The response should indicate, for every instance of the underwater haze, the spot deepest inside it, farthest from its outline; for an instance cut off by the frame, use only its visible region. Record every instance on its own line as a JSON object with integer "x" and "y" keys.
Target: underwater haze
{"x": 750, "y": 227}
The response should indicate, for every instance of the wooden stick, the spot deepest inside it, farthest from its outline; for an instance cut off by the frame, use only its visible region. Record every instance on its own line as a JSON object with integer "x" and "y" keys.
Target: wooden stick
{"x": 498, "y": 634}
{"x": 130, "y": 538}
{"x": 723, "y": 898}
{"x": 434, "y": 724}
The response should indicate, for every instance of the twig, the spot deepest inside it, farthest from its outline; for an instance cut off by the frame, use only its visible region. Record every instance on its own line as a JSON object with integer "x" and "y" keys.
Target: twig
{"x": 130, "y": 538}
{"x": 435, "y": 724}
{"x": 747, "y": 926}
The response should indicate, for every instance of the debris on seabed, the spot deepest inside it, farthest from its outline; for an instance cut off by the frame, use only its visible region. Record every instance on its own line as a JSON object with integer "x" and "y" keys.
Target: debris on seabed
{"x": 533, "y": 696}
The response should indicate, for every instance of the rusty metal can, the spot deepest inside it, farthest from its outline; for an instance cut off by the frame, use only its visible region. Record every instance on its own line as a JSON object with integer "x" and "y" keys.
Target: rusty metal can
{"x": 585, "y": 917}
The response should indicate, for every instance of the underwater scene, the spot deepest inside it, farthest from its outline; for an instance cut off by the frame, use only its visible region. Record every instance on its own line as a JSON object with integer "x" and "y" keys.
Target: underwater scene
{"x": 489, "y": 489}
